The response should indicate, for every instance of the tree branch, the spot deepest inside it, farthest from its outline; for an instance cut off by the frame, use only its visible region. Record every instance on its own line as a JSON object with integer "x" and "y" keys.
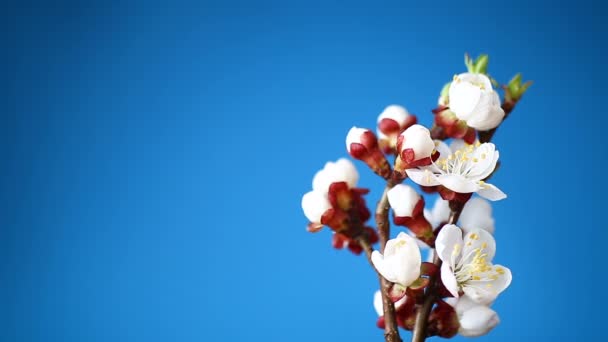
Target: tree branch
{"x": 419, "y": 333}
{"x": 391, "y": 330}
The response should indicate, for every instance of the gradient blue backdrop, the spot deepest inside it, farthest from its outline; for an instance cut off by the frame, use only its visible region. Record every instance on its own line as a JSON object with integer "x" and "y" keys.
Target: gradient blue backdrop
{"x": 154, "y": 156}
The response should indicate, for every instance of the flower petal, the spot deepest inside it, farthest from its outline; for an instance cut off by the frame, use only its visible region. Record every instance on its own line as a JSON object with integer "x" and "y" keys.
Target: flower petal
{"x": 491, "y": 192}
{"x": 449, "y": 236}
{"x": 422, "y": 177}
{"x": 477, "y": 213}
{"x": 449, "y": 280}
{"x": 458, "y": 183}
{"x": 485, "y": 292}
{"x": 314, "y": 205}
{"x": 477, "y": 321}
{"x": 382, "y": 266}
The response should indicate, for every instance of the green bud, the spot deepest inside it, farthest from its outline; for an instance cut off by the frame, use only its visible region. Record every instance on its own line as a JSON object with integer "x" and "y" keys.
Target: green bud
{"x": 443, "y": 96}
{"x": 515, "y": 89}
{"x": 481, "y": 64}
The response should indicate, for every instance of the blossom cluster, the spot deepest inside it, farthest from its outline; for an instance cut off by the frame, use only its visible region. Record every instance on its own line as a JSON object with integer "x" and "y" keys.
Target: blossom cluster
{"x": 452, "y": 161}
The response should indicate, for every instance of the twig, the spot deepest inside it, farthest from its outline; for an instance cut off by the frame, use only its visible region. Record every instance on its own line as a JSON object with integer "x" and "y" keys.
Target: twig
{"x": 391, "y": 331}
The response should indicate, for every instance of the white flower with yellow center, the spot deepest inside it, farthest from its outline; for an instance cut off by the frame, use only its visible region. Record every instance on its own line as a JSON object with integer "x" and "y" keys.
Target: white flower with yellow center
{"x": 467, "y": 264}
{"x": 461, "y": 169}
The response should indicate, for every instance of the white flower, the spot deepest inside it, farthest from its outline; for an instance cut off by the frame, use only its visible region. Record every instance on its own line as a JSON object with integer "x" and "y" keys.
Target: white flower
{"x": 403, "y": 200}
{"x": 380, "y": 307}
{"x": 401, "y": 261}
{"x": 415, "y": 143}
{"x": 477, "y": 213}
{"x": 342, "y": 170}
{"x": 475, "y": 319}
{"x": 473, "y": 100}
{"x": 356, "y": 135}
{"x": 467, "y": 264}
{"x": 462, "y": 170}
{"x": 314, "y": 205}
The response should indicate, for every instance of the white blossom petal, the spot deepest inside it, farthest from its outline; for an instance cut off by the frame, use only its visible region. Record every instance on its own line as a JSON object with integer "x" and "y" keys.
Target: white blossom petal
{"x": 422, "y": 177}
{"x": 448, "y": 279}
{"x": 449, "y": 236}
{"x": 477, "y": 321}
{"x": 458, "y": 183}
{"x": 403, "y": 199}
{"x": 477, "y": 213}
{"x": 314, "y": 205}
{"x": 491, "y": 192}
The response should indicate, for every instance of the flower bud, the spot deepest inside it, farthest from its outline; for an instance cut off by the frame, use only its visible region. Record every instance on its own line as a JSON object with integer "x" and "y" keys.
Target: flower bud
{"x": 362, "y": 144}
{"x": 404, "y": 199}
{"x": 477, "y": 321}
{"x": 342, "y": 170}
{"x": 394, "y": 119}
{"x": 314, "y": 205}
{"x": 472, "y": 99}
{"x": 401, "y": 260}
{"x": 415, "y": 147}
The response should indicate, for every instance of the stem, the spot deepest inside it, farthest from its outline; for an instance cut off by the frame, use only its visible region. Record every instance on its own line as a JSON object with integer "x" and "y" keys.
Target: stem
{"x": 391, "y": 331}
{"x": 419, "y": 332}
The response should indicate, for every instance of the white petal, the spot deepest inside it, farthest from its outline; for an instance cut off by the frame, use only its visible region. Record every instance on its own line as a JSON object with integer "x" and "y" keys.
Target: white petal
{"x": 488, "y": 115}
{"x": 458, "y": 183}
{"x": 343, "y": 170}
{"x": 440, "y": 212}
{"x": 314, "y": 205}
{"x": 418, "y": 138}
{"x": 403, "y": 199}
{"x": 443, "y": 149}
{"x": 382, "y": 266}
{"x": 477, "y": 321}
{"x": 477, "y": 213}
{"x": 423, "y": 177}
{"x": 378, "y": 303}
{"x": 448, "y": 279}
{"x": 485, "y": 292}
{"x": 354, "y": 136}
{"x": 463, "y": 304}
{"x": 347, "y": 171}
{"x": 491, "y": 192}
{"x": 464, "y": 98}
{"x": 483, "y": 161}
{"x": 449, "y": 236}
{"x": 394, "y": 112}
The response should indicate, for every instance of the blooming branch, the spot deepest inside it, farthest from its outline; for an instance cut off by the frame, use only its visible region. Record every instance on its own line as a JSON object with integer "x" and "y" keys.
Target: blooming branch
{"x": 453, "y": 293}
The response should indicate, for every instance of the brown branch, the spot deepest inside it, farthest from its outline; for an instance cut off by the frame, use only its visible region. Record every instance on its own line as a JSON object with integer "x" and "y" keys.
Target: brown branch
{"x": 391, "y": 330}
{"x": 419, "y": 333}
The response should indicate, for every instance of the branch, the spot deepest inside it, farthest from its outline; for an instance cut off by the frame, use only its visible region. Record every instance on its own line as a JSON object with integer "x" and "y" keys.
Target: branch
{"x": 391, "y": 331}
{"x": 419, "y": 332}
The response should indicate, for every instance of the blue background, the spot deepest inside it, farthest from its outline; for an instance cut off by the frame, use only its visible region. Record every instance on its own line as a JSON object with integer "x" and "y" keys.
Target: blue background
{"x": 154, "y": 156}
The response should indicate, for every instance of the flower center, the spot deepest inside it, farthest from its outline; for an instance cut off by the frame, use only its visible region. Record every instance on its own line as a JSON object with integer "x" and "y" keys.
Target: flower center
{"x": 474, "y": 266}
{"x": 461, "y": 161}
